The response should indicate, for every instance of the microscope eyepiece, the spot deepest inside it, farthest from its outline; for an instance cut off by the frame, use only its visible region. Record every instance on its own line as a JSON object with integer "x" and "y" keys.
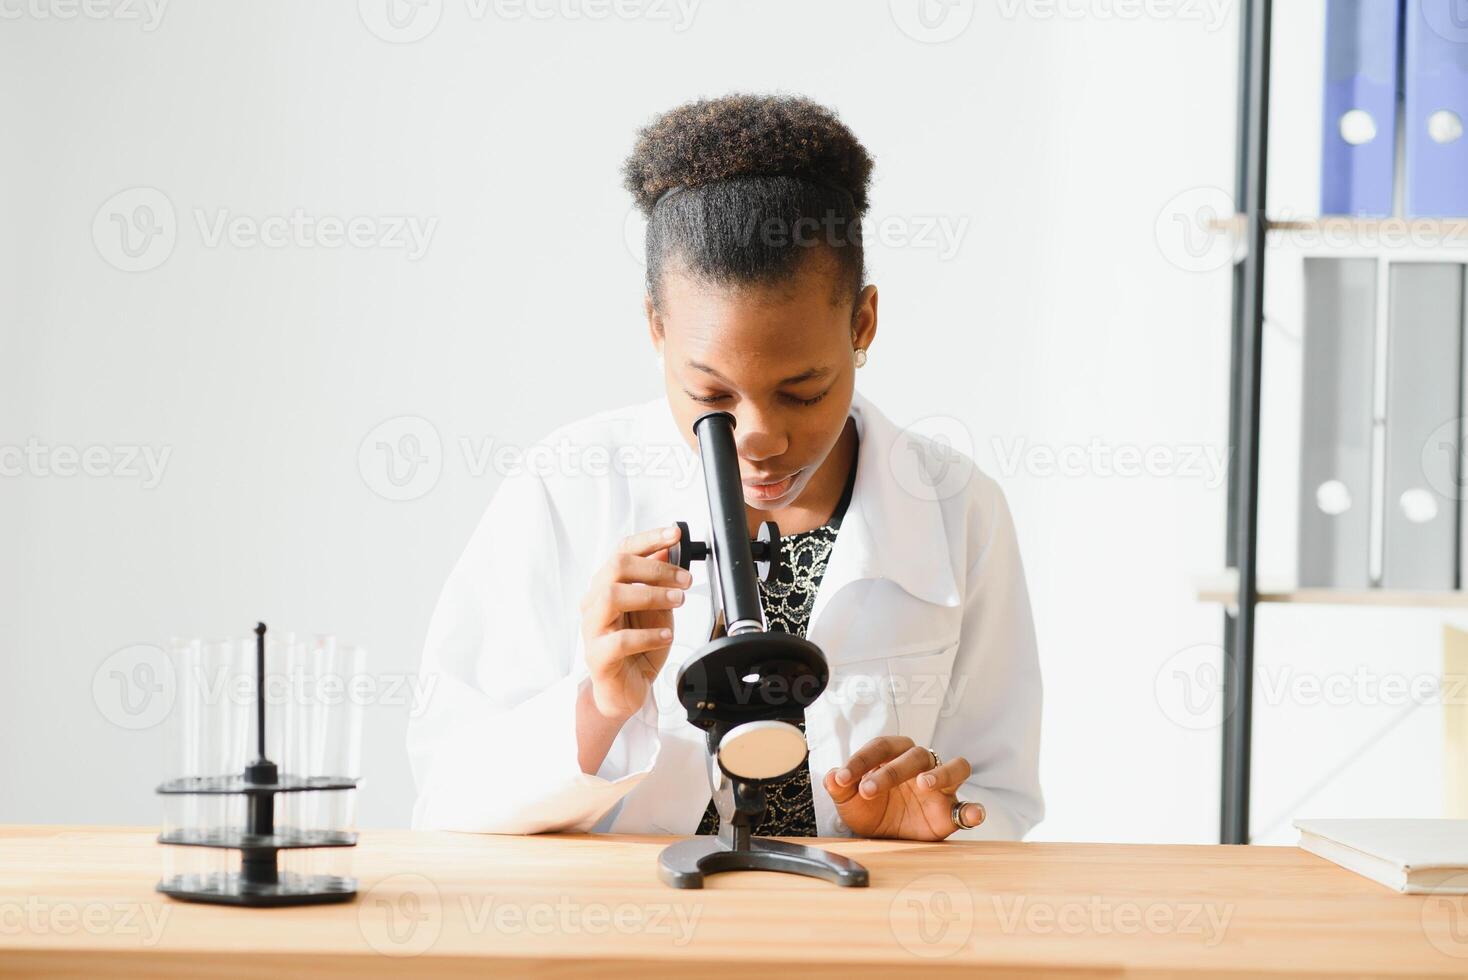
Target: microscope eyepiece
{"x": 751, "y": 674}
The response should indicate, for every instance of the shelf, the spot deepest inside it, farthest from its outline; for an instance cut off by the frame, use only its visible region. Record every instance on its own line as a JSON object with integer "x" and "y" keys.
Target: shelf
{"x": 1224, "y": 589}
{"x": 239, "y": 839}
{"x": 236, "y": 785}
{"x": 1454, "y": 228}
{"x": 1342, "y": 233}
{"x": 231, "y": 888}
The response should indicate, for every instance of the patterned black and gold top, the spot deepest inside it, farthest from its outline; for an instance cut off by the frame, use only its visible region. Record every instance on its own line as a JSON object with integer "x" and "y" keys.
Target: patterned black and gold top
{"x": 787, "y": 601}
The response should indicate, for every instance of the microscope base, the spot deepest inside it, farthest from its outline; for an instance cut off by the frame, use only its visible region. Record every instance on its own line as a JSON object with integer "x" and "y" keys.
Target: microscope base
{"x": 684, "y": 864}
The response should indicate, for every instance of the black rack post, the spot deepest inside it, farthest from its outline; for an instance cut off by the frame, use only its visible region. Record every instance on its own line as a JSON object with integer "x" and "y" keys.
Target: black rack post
{"x": 1251, "y": 183}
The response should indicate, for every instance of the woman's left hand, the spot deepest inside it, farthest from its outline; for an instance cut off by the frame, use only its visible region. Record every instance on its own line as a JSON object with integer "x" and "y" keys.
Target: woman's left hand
{"x": 890, "y": 788}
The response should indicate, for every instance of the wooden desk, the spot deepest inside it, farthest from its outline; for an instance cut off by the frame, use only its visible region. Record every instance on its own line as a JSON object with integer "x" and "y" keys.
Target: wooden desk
{"x": 80, "y": 901}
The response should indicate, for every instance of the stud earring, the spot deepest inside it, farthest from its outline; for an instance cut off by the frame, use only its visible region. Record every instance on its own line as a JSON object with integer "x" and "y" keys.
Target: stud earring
{"x": 860, "y": 357}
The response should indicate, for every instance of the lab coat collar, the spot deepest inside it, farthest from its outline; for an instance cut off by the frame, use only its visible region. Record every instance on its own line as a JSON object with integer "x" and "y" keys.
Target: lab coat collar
{"x": 891, "y": 530}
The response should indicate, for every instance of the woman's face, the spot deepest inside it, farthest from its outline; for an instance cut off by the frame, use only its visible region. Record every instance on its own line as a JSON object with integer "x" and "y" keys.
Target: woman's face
{"x": 778, "y": 358}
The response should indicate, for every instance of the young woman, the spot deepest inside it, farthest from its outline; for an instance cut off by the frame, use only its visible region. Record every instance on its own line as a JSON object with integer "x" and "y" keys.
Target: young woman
{"x": 551, "y": 654}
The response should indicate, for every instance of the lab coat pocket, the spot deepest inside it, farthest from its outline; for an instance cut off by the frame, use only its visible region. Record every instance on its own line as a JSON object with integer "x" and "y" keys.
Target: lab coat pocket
{"x": 855, "y": 708}
{"x": 918, "y": 686}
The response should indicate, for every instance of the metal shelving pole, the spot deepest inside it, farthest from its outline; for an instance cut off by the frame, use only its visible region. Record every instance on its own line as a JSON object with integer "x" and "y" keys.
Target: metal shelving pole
{"x": 1243, "y": 492}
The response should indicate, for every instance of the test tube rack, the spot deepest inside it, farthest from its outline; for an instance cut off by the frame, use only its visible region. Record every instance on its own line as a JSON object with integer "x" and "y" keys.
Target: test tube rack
{"x": 260, "y": 882}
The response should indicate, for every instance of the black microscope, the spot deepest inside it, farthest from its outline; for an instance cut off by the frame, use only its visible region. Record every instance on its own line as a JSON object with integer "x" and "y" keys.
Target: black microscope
{"x": 747, "y": 689}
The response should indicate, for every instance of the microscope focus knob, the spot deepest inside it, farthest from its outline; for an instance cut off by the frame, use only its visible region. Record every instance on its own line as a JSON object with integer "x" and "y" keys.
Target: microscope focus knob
{"x": 765, "y": 550}
{"x": 685, "y": 551}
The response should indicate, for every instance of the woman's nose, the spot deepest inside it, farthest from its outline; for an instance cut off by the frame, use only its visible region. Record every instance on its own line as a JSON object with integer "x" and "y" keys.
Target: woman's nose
{"x": 756, "y": 439}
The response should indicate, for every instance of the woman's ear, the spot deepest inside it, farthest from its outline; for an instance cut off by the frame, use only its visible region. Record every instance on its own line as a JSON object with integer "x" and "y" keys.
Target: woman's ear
{"x": 864, "y": 318}
{"x": 654, "y": 323}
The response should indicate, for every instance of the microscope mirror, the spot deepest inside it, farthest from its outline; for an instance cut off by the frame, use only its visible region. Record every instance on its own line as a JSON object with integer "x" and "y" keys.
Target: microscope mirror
{"x": 762, "y": 750}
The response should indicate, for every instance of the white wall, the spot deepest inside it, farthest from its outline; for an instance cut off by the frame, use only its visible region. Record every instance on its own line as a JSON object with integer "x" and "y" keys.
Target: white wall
{"x": 1069, "y": 318}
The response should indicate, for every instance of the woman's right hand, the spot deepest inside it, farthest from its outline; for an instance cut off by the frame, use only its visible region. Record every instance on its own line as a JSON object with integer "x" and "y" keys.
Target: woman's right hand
{"x": 627, "y": 621}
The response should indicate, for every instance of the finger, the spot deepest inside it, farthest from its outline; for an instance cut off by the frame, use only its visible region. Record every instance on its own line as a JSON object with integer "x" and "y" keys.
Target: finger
{"x": 652, "y": 571}
{"x": 623, "y": 567}
{"x": 893, "y": 774}
{"x": 947, "y": 777}
{"x": 839, "y": 793}
{"x": 647, "y": 542}
{"x": 654, "y": 641}
{"x": 651, "y": 644}
{"x": 639, "y": 597}
{"x": 973, "y": 814}
{"x": 869, "y": 756}
{"x": 624, "y": 597}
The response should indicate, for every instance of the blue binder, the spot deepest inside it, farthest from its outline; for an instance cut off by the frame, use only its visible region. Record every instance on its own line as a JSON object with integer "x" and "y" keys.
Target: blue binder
{"x": 1437, "y": 108}
{"x": 1359, "y": 136}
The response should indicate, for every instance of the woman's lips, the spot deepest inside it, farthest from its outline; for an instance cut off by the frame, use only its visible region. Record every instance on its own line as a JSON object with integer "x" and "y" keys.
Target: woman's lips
{"x": 770, "y": 491}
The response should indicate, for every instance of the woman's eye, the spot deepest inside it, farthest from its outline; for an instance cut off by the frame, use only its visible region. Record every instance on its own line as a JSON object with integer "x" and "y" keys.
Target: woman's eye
{"x": 793, "y": 399}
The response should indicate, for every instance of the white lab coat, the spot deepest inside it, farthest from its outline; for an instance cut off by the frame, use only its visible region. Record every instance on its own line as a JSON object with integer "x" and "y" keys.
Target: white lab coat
{"x": 922, "y": 613}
